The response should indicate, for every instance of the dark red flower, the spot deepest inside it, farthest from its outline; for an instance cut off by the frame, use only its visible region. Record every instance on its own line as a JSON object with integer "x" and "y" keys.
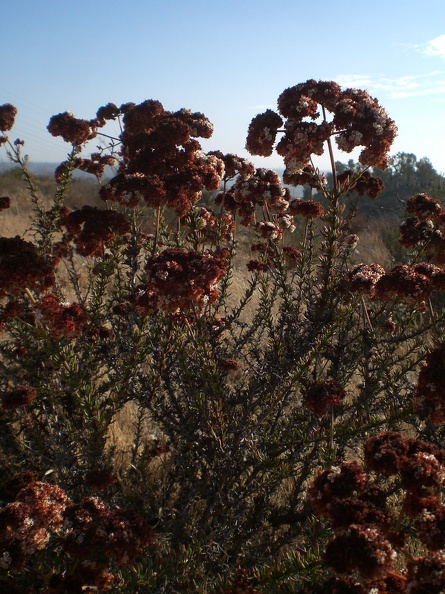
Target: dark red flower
{"x": 331, "y": 484}
{"x": 71, "y": 129}
{"x": 7, "y": 116}
{"x": 22, "y": 267}
{"x": 262, "y": 133}
{"x": 426, "y": 575}
{"x": 93, "y": 229}
{"x": 386, "y": 452}
{"x": 319, "y": 395}
{"x": 306, "y": 208}
{"x": 5, "y": 202}
{"x": 362, "y": 549}
{"x": 16, "y": 397}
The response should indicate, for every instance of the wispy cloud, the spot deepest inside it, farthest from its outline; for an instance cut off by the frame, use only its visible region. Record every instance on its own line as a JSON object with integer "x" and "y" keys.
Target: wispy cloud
{"x": 435, "y": 47}
{"x": 431, "y": 83}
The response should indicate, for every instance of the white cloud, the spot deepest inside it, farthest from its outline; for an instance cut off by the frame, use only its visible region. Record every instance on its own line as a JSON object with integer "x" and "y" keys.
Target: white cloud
{"x": 430, "y": 83}
{"x": 435, "y": 47}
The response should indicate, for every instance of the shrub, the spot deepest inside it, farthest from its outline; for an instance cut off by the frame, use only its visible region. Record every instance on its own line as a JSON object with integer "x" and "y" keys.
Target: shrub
{"x": 237, "y": 395}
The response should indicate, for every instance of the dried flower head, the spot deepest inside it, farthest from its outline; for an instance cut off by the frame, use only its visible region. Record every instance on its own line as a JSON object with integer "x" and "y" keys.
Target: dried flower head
{"x": 73, "y": 130}
{"x": 363, "y": 278}
{"x": 16, "y": 397}
{"x": 413, "y": 231}
{"x": 306, "y": 208}
{"x": 63, "y": 320}
{"x": 426, "y": 575}
{"x": 264, "y": 189}
{"x": 262, "y": 133}
{"x": 430, "y": 523}
{"x": 386, "y": 452}
{"x": 93, "y": 229}
{"x": 424, "y": 207}
{"x": 429, "y": 397}
{"x": 363, "y": 183}
{"x": 357, "y": 120}
{"x": 319, "y": 395}
{"x": 404, "y": 283}
{"x": 180, "y": 280}
{"x": 7, "y": 116}
{"x": 331, "y": 484}
{"x": 361, "y": 549}
{"x": 22, "y": 267}
{"x": 5, "y": 202}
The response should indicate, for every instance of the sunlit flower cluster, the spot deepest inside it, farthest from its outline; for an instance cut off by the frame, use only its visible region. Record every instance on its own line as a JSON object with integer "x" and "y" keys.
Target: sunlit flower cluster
{"x": 306, "y": 208}
{"x": 368, "y": 531}
{"x": 162, "y": 162}
{"x": 62, "y": 320}
{"x": 27, "y": 524}
{"x": 180, "y": 280}
{"x": 262, "y": 190}
{"x": 206, "y": 226}
{"x": 426, "y": 226}
{"x": 357, "y": 120}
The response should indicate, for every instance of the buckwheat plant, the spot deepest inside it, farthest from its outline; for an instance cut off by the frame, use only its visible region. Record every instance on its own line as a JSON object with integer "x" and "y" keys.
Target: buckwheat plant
{"x": 253, "y": 354}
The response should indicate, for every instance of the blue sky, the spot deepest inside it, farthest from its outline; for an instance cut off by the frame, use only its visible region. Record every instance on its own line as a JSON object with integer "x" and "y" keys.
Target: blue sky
{"x": 229, "y": 59}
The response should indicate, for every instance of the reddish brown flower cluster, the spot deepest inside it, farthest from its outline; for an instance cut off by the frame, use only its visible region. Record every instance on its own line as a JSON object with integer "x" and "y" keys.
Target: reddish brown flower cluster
{"x": 405, "y": 284}
{"x": 93, "y": 530}
{"x": 95, "y": 165}
{"x": 264, "y": 189}
{"x": 419, "y": 464}
{"x": 93, "y": 229}
{"x": 319, "y": 395}
{"x": 364, "y": 184}
{"x": 73, "y": 130}
{"x": 359, "y": 516}
{"x": 22, "y": 267}
{"x": 27, "y": 524}
{"x": 208, "y": 226}
{"x": 63, "y": 320}
{"x": 90, "y": 533}
{"x": 291, "y": 254}
{"x": 426, "y": 575}
{"x": 333, "y": 484}
{"x": 306, "y": 208}
{"x": 426, "y": 227}
{"x": 234, "y": 165}
{"x": 7, "y": 116}
{"x": 361, "y": 549}
{"x": 180, "y": 280}
{"x": 268, "y": 230}
{"x": 429, "y": 396}
{"x": 308, "y": 176}
{"x": 262, "y": 133}
{"x": 162, "y": 162}
{"x": 16, "y": 397}
{"x": 363, "y": 279}
{"x": 424, "y": 207}
{"x": 358, "y": 120}
{"x": 256, "y": 265}
{"x": 363, "y": 523}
